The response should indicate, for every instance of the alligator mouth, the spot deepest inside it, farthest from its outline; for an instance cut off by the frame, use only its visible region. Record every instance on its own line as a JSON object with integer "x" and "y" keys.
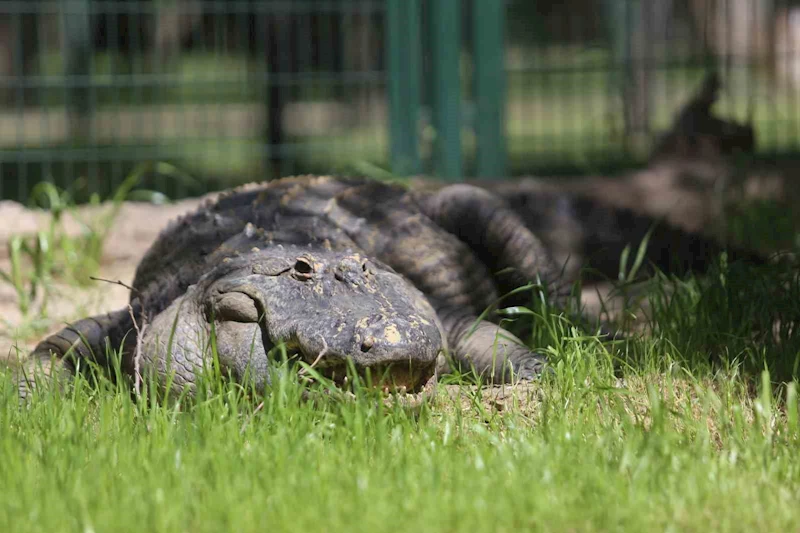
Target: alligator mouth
{"x": 398, "y": 377}
{"x": 390, "y": 378}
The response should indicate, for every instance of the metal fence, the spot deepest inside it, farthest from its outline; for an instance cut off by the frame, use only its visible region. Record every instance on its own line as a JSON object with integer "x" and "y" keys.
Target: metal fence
{"x": 236, "y": 90}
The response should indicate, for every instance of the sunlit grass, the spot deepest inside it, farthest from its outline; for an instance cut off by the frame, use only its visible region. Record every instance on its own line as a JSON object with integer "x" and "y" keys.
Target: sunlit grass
{"x": 693, "y": 427}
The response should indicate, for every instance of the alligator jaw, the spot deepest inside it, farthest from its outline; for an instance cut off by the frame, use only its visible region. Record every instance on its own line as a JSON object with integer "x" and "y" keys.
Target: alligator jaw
{"x": 401, "y": 377}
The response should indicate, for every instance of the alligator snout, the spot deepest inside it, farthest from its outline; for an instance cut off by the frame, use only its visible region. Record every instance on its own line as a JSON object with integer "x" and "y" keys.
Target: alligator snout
{"x": 391, "y": 351}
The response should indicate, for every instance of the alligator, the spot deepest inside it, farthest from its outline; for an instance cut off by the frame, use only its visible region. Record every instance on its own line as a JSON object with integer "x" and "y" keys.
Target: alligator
{"x": 346, "y": 273}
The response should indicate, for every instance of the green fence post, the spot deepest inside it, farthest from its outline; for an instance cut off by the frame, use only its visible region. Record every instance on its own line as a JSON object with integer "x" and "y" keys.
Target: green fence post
{"x": 488, "y": 19}
{"x": 77, "y": 35}
{"x": 445, "y": 39}
{"x": 618, "y": 19}
{"x": 77, "y": 69}
{"x": 404, "y": 61}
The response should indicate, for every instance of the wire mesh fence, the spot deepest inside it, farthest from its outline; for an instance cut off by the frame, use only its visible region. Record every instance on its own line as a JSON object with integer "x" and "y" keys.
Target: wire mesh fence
{"x": 236, "y": 90}
{"x": 226, "y": 90}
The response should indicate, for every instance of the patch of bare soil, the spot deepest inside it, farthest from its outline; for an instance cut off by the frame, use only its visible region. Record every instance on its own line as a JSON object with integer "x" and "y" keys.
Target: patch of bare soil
{"x": 686, "y": 401}
{"x": 132, "y": 232}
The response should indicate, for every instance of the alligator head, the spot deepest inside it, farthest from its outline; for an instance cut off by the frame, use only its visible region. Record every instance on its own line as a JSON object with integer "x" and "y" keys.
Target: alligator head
{"x": 326, "y": 307}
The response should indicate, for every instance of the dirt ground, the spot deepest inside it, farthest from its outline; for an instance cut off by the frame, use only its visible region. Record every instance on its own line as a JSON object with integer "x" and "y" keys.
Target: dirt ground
{"x": 133, "y": 231}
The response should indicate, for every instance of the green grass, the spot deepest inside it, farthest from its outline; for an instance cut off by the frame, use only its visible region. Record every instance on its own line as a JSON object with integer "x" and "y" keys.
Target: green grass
{"x": 692, "y": 428}
{"x": 681, "y": 454}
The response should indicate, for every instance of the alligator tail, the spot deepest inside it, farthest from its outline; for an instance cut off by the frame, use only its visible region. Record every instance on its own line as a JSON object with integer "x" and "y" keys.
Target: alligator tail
{"x": 85, "y": 343}
{"x": 670, "y": 249}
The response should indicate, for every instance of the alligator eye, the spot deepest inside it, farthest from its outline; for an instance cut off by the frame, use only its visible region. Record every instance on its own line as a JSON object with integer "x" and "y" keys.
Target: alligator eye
{"x": 303, "y": 268}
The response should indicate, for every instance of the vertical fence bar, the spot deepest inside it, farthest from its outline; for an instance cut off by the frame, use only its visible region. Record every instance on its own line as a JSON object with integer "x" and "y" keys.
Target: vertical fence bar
{"x": 617, "y": 17}
{"x": 76, "y": 25}
{"x": 404, "y": 56}
{"x": 77, "y": 69}
{"x": 445, "y": 39}
{"x": 488, "y": 18}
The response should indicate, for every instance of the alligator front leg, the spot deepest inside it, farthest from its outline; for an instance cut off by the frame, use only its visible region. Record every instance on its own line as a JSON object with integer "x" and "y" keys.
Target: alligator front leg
{"x": 85, "y": 342}
{"x": 488, "y": 350}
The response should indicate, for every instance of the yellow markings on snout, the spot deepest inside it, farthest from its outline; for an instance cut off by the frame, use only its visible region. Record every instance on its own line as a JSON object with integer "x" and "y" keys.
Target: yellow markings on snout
{"x": 392, "y": 334}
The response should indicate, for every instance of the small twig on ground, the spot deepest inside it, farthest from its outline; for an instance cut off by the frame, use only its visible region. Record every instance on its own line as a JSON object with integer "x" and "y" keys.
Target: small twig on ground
{"x": 137, "y": 357}
{"x": 118, "y": 282}
{"x": 259, "y": 407}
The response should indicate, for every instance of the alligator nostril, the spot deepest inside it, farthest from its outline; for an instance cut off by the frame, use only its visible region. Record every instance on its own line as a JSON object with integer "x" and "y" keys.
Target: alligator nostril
{"x": 367, "y": 344}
